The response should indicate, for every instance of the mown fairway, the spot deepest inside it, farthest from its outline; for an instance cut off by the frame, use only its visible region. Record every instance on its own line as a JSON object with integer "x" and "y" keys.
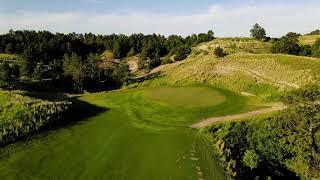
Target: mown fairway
{"x": 141, "y": 134}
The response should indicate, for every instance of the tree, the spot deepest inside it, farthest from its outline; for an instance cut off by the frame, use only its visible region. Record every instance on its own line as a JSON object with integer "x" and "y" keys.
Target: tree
{"x": 210, "y": 35}
{"x": 182, "y": 53}
{"x": 38, "y": 72}
{"x": 258, "y": 32}
{"x": 4, "y": 73}
{"x": 117, "y": 49}
{"x": 316, "y": 49}
{"x": 219, "y": 52}
{"x": 288, "y": 44}
{"x": 305, "y": 50}
{"x": 121, "y": 73}
{"x": 92, "y": 66}
{"x": 73, "y": 67}
{"x": 36, "y": 47}
{"x": 27, "y": 62}
{"x": 142, "y": 60}
{"x": 315, "y": 32}
{"x": 154, "y": 62}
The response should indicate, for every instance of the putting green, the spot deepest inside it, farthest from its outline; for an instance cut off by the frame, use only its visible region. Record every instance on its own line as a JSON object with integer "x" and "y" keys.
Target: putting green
{"x": 186, "y": 96}
{"x": 137, "y": 136}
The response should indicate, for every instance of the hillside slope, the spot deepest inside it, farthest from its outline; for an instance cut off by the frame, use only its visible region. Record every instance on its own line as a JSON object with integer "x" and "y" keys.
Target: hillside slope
{"x": 308, "y": 39}
{"x": 263, "y": 75}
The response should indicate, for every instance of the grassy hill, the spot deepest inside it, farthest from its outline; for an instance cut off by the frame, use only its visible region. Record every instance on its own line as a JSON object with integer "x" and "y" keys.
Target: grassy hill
{"x": 260, "y": 74}
{"x": 308, "y": 39}
{"x": 236, "y": 45}
{"x": 144, "y": 132}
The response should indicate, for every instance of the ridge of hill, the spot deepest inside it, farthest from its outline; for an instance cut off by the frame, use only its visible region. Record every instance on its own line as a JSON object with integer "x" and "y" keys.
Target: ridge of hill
{"x": 261, "y": 74}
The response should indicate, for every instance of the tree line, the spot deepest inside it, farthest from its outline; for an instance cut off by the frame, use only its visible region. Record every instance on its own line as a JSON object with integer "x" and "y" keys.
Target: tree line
{"x": 289, "y": 43}
{"x": 74, "y": 59}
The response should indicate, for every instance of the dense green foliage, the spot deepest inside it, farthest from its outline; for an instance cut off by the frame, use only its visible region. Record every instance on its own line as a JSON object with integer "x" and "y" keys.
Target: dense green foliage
{"x": 258, "y": 32}
{"x": 315, "y": 32}
{"x": 273, "y": 146}
{"x": 182, "y": 53}
{"x": 65, "y": 58}
{"x": 219, "y": 52}
{"x": 315, "y": 50}
{"x": 21, "y": 115}
{"x": 289, "y": 44}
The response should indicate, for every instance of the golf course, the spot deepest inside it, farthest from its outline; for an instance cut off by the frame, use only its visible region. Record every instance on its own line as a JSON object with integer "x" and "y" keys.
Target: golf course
{"x": 159, "y": 90}
{"x": 139, "y": 133}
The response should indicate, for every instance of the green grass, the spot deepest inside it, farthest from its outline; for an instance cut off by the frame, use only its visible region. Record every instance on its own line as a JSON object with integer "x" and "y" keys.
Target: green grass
{"x": 138, "y": 136}
{"x": 185, "y": 96}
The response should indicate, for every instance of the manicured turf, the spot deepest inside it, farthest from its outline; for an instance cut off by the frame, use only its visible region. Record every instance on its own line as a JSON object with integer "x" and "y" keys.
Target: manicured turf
{"x": 137, "y": 136}
{"x": 185, "y": 96}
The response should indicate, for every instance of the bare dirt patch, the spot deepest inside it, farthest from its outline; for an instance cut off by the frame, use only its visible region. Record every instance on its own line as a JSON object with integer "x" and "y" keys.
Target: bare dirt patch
{"x": 210, "y": 121}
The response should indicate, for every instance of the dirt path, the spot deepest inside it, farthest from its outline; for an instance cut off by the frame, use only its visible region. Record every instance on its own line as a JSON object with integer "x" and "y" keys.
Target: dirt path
{"x": 210, "y": 121}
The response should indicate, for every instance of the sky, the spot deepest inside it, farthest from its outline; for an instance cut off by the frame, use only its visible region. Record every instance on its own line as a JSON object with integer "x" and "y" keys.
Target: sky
{"x": 183, "y": 17}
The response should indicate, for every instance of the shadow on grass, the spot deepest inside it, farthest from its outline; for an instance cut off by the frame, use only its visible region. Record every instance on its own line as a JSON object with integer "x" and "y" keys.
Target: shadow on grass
{"x": 78, "y": 113}
{"x": 270, "y": 170}
{"x": 49, "y": 96}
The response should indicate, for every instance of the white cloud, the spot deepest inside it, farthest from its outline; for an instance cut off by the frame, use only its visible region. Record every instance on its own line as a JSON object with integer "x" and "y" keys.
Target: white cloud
{"x": 225, "y": 21}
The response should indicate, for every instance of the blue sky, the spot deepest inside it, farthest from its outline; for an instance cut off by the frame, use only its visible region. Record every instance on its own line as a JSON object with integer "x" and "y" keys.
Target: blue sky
{"x": 225, "y": 17}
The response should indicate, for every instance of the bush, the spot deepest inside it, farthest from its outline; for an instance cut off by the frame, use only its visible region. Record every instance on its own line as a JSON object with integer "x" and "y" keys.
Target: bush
{"x": 251, "y": 159}
{"x": 310, "y": 93}
{"x": 219, "y": 52}
{"x": 305, "y": 50}
{"x": 182, "y": 53}
{"x": 166, "y": 60}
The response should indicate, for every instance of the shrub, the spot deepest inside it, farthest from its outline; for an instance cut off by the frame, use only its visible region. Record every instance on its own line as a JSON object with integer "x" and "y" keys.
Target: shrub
{"x": 166, "y": 60}
{"x": 305, "y": 50}
{"x": 251, "y": 159}
{"x": 271, "y": 145}
{"x": 219, "y": 52}
{"x": 182, "y": 53}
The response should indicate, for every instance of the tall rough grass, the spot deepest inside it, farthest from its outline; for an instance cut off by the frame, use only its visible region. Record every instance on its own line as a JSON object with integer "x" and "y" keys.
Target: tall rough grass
{"x": 4, "y": 56}
{"x": 21, "y": 115}
{"x": 264, "y": 75}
